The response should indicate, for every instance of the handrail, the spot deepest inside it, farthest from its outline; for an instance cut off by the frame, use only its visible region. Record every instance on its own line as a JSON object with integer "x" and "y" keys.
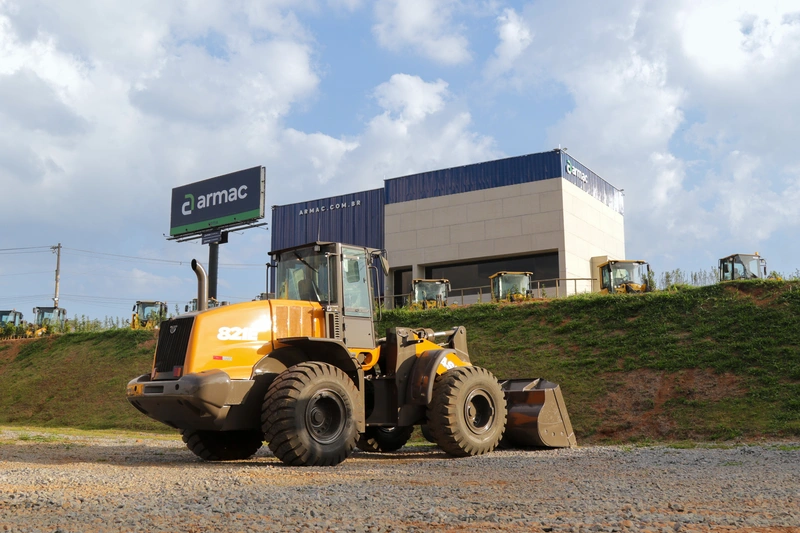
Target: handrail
{"x": 560, "y": 285}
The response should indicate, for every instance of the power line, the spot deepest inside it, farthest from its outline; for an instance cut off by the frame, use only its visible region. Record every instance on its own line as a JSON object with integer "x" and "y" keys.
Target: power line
{"x": 25, "y": 248}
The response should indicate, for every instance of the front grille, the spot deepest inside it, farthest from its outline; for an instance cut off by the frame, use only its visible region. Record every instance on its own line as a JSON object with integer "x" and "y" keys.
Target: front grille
{"x": 173, "y": 340}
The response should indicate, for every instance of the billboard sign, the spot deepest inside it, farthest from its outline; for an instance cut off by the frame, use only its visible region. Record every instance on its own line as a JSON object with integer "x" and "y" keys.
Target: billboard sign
{"x": 218, "y": 202}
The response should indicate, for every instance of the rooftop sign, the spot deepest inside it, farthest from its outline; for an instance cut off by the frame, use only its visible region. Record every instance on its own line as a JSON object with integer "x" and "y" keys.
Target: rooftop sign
{"x": 226, "y": 200}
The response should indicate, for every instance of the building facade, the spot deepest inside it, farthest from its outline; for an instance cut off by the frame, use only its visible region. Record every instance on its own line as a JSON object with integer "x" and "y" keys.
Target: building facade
{"x": 543, "y": 213}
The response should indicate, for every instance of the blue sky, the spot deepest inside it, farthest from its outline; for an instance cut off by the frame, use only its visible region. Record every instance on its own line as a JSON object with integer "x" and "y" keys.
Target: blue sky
{"x": 690, "y": 106}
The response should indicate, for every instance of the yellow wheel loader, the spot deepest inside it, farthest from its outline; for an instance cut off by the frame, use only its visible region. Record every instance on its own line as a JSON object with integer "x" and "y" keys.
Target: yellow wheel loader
{"x": 305, "y": 372}
{"x": 148, "y": 314}
{"x": 46, "y": 319}
{"x": 511, "y": 286}
{"x": 429, "y": 293}
{"x": 624, "y": 276}
{"x": 742, "y": 266}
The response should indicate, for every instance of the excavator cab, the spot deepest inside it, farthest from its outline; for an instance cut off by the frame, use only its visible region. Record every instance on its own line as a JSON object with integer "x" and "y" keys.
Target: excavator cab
{"x": 624, "y": 276}
{"x": 148, "y": 314}
{"x": 429, "y": 293}
{"x": 511, "y": 286}
{"x": 742, "y": 266}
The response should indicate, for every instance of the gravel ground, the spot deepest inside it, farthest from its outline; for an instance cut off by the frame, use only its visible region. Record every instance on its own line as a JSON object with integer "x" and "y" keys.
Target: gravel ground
{"x": 60, "y": 483}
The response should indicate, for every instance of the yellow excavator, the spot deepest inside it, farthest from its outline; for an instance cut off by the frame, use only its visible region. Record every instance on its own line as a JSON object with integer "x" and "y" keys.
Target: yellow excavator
{"x": 429, "y": 293}
{"x": 511, "y": 286}
{"x": 306, "y": 373}
{"x": 148, "y": 314}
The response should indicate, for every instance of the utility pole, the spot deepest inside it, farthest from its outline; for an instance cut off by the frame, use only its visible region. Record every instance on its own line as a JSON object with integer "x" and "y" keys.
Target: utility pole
{"x": 57, "y": 249}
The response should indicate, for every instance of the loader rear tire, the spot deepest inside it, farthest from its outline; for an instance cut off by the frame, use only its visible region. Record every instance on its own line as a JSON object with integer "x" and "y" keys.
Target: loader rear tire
{"x": 308, "y": 415}
{"x": 380, "y": 439}
{"x": 467, "y": 413}
{"x": 222, "y": 445}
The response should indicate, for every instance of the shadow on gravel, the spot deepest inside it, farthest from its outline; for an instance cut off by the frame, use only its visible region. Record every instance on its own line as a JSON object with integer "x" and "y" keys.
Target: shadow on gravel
{"x": 138, "y": 455}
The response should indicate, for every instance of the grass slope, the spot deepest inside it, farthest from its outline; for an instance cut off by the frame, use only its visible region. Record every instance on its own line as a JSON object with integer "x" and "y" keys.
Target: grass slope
{"x": 708, "y": 363}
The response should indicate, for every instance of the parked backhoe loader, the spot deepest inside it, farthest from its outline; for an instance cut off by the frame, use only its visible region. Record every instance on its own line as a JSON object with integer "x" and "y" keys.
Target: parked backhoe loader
{"x": 742, "y": 266}
{"x": 624, "y": 276}
{"x": 305, "y": 372}
{"x": 148, "y": 314}
{"x": 429, "y": 293}
{"x": 511, "y": 286}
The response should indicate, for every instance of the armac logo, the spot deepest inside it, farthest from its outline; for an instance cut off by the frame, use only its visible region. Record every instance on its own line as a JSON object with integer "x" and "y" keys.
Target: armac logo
{"x": 213, "y": 198}
{"x": 575, "y": 171}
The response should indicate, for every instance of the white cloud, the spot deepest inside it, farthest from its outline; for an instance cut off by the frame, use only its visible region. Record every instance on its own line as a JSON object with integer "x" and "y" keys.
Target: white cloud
{"x": 515, "y": 36}
{"x": 424, "y": 26}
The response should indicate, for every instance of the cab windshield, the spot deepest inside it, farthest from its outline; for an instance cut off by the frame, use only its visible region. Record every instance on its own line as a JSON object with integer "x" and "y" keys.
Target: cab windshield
{"x": 510, "y": 284}
{"x": 428, "y": 290}
{"x": 304, "y": 275}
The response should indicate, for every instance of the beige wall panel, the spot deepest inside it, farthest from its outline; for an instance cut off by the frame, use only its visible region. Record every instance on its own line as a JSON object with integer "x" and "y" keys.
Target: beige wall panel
{"x": 520, "y": 244}
{"x": 448, "y": 216}
{"x": 476, "y": 250}
{"x": 474, "y": 231}
{"x": 485, "y": 211}
{"x": 434, "y": 203}
{"x": 536, "y": 187}
{"x": 550, "y": 201}
{"x": 542, "y": 222}
{"x": 521, "y": 205}
{"x": 509, "y": 191}
{"x": 440, "y": 254}
{"x": 503, "y": 227}
{"x": 471, "y": 197}
{"x": 433, "y": 237}
{"x": 391, "y": 224}
{"x": 416, "y": 220}
{"x": 402, "y": 240}
{"x": 405, "y": 258}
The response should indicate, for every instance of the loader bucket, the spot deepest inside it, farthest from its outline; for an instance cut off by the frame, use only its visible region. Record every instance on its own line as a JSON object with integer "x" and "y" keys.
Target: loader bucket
{"x": 537, "y": 414}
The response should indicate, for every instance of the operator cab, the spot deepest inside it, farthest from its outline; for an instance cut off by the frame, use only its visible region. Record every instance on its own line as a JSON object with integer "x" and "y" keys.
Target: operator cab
{"x": 742, "y": 266}
{"x": 338, "y": 277}
{"x": 624, "y": 276}
{"x": 46, "y": 316}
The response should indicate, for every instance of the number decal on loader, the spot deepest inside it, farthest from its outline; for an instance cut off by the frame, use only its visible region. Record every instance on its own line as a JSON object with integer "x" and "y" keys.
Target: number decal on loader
{"x": 447, "y": 363}
{"x": 237, "y": 334}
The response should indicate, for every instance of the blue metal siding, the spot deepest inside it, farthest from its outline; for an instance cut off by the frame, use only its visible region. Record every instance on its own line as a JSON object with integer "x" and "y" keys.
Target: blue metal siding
{"x": 510, "y": 171}
{"x": 579, "y": 175}
{"x": 349, "y": 218}
{"x": 500, "y": 173}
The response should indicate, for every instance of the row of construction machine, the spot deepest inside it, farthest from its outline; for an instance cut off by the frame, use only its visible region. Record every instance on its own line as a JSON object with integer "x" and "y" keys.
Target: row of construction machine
{"x": 307, "y": 373}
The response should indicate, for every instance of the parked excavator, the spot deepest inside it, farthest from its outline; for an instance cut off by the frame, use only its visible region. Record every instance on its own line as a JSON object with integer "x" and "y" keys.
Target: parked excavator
{"x": 305, "y": 373}
{"x": 742, "y": 266}
{"x": 511, "y": 286}
{"x": 429, "y": 293}
{"x": 148, "y": 314}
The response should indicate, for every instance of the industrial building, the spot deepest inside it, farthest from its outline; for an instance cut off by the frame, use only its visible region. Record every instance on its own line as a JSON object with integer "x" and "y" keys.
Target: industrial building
{"x": 544, "y": 213}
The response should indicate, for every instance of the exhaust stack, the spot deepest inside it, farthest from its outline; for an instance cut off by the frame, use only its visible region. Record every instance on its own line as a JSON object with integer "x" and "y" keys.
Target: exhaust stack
{"x": 202, "y": 285}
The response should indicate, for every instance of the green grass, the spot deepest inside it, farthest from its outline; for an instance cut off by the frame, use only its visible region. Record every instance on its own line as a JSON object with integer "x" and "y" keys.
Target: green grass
{"x": 625, "y": 364}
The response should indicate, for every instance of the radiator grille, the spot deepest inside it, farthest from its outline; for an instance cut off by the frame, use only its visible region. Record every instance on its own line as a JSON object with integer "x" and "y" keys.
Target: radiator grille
{"x": 173, "y": 340}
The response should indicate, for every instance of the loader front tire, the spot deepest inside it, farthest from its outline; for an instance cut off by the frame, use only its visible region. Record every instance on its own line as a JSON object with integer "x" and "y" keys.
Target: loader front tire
{"x": 380, "y": 439}
{"x": 308, "y": 415}
{"x": 467, "y": 413}
{"x": 222, "y": 445}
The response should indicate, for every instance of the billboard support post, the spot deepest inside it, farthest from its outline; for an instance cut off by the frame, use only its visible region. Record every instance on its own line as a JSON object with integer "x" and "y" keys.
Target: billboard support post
{"x": 213, "y": 263}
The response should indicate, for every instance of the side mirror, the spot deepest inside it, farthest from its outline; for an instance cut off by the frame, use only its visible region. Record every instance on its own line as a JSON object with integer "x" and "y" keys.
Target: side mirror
{"x": 384, "y": 265}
